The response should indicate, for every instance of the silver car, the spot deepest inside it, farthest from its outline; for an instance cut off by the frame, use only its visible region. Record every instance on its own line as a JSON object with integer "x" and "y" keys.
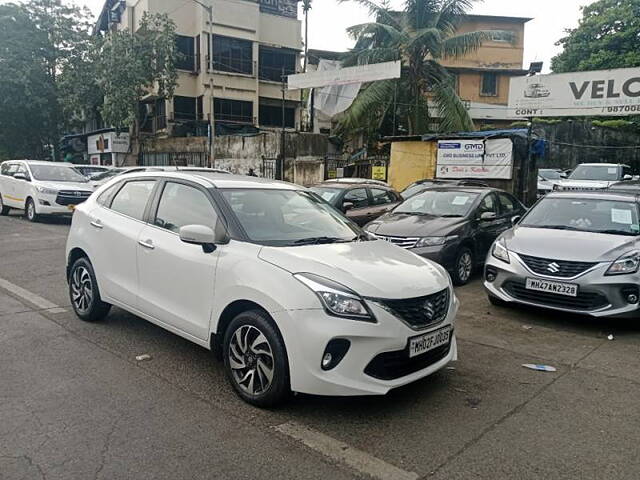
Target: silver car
{"x": 573, "y": 251}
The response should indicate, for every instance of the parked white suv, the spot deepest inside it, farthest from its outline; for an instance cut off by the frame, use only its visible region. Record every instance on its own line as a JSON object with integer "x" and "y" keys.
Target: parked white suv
{"x": 293, "y": 295}
{"x": 41, "y": 188}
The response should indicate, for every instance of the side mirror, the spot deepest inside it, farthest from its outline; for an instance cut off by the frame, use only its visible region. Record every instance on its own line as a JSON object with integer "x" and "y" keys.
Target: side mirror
{"x": 21, "y": 176}
{"x": 515, "y": 220}
{"x": 627, "y": 177}
{"x": 488, "y": 216}
{"x": 346, "y": 206}
{"x": 199, "y": 235}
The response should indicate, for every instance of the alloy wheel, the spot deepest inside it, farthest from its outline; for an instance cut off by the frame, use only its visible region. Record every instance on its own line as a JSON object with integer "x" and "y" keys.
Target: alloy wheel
{"x": 465, "y": 266}
{"x": 81, "y": 289}
{"x": 251, "y": 360}
{"x": 31, "y": 210}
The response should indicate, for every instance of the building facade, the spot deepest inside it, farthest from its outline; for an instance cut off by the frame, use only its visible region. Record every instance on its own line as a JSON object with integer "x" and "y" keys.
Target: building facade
{"x": 230, "y": 69}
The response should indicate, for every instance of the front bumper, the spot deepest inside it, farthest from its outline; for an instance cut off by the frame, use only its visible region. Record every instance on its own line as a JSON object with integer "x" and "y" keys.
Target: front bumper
{"x": 444, "y": 255}
{"x": 307, "y": 332}
{"x": 47, "y": 204}
{"x": 598, "y": 295}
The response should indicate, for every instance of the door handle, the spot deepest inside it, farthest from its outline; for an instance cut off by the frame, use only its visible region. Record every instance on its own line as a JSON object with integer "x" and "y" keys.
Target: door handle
{"x": 148, "y": 244}
{"x": 97, "y": 224}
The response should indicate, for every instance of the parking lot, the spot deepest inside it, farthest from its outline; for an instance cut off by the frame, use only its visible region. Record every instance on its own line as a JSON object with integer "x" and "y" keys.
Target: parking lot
{"x": 75, "y": 402}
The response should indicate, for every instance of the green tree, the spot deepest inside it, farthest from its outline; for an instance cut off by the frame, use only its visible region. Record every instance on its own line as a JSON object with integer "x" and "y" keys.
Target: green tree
{"x": 607, "y": 37}
{"x": 421, "y": 35}
{"x": 130, "y": 65}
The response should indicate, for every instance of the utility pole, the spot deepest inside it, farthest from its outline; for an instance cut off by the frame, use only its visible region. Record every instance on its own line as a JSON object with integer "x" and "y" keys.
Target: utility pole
{"x": 527, "y": 166}
{"x": 281, "y": 166}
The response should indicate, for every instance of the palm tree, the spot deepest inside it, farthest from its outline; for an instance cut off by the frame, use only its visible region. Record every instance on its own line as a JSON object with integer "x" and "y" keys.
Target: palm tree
{"x": 420, "y": 36}
{"x": 306, "y": 6}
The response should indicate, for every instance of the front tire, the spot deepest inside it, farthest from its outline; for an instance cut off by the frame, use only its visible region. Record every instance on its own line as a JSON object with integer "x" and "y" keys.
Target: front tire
{"x": 84, "y": 293}
{"x": 463, "y": 267}
{"x": 255, "y": 360}
{"x": 4, "y": 210}
{"x": 30, "y": 210}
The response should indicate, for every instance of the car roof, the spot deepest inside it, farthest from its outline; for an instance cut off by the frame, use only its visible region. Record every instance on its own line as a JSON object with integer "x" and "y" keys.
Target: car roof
{"x": 620, "y": 195}
{"x": 43, "y": 162}
{"x": 218, "y": 179}
{"x": 464, "y": 188}
{"x": 602, "y": 165}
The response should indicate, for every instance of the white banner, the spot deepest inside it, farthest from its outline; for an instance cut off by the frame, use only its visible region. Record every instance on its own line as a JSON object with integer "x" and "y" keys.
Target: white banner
{"x": 345, "y": 76}
{"x": 605, "y": 92}
{"x": 108, "y": 142}
{"x": 488, "y": 159}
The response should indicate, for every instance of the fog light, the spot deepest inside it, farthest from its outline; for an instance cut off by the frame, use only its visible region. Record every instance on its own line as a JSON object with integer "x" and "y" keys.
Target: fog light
{"x": 490, "y": 274}
{"x": 632, "y": 298}
{"x": 631, "y": 294}
{"x": 44, "y": 202}
{"x": 334, "y": 353}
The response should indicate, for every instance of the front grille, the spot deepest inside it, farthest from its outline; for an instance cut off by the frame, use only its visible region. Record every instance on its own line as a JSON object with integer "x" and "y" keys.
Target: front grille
{"x": 420, "y": 312}
{"x": 392, "y": 365}
{"x": 585, "y": 301}
{"x": 404, "y": 242}
{"x": 556, "y": 268}
{"x": 72, "y": 197}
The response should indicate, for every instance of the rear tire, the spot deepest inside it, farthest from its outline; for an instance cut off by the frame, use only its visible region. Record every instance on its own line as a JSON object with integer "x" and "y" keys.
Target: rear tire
{"x": 30, "y": 210}
{"x": 255, "y": 360}
{"x": 4, "y": 210}
{"x": 84, "y": 293}
{"x": 463, "y": 267}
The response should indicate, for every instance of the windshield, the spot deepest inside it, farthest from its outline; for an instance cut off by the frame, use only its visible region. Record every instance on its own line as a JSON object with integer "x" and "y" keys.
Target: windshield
{"x": 596, "y": 172}
{"x": 587, "y": 215}
{"x": 288, "y": 217}
{"x": 439, "y": 204}
{"x": 56, "y": 173}
{"x": 550, "y": 174}
{"x": 326, "y": 193}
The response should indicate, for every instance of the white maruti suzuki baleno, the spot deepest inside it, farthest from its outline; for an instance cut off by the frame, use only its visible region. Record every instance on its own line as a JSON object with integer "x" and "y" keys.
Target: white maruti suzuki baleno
{"x": 293, "y": 295}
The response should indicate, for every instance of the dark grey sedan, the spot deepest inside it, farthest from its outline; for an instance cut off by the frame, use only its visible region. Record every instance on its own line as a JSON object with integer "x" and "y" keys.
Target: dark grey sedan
{"x": 453, "y": 226}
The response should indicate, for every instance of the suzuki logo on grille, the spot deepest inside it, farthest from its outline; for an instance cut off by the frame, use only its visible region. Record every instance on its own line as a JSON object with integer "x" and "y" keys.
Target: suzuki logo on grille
{"x": 429, "y": 310}
{"x": 553, "y": 267}
{"x": 76, "y": 194}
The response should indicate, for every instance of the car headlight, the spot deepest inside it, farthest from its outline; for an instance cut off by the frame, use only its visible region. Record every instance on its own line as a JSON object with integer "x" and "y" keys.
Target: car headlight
{"x": 435, "y": 241}
{"x": 337, "y": 299}
{"x": 499, "y": 251}
{"x": 627, "y": 263}
{"x": 47, "y": 191}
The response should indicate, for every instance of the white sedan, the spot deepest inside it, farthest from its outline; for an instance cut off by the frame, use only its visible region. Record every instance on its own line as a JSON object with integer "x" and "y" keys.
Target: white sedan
{"x": 293, "y": 295}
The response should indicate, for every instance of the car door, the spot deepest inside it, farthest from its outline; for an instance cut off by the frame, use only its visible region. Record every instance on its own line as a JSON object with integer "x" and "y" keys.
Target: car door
{"x": 382, "y": 201}
{"x": 22, "y": 188}
{"x": 6, "y": 183}
{"x": 359, "y": 197}
{"x": 488, "y": 228}
{"x": 112, "y": 235}
{"x": 176, "y": 278}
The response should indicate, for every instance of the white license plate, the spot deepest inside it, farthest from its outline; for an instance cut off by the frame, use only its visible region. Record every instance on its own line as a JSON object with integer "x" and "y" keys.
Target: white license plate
{"x": 429, "y": 341}
{"x": 559, "y": 288}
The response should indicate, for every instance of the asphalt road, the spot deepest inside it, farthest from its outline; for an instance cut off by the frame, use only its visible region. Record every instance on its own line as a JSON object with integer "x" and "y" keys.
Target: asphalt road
{"x": 75, "y": 404}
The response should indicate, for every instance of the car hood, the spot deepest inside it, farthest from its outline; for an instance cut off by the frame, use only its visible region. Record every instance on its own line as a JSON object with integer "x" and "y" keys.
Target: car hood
{"x": 82, "y": 187}
{"x": 375, "y": 269}
{"x": 403, "y": 225}
{"x": 561, "y": 244}
{"x": 586, "y": 184}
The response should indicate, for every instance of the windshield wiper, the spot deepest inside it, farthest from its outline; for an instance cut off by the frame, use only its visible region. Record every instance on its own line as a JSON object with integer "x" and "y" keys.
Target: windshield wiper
{"x": 556, "y": 227}
{"x": 320, "y": 240}
{"x": 451, "y": 216}
{"x": 615, "y": 232}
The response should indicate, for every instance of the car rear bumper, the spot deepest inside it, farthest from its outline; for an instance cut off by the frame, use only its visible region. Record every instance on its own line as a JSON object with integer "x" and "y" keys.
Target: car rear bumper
{"x": 598, "y": 295}
{"x": 307, "y": 333}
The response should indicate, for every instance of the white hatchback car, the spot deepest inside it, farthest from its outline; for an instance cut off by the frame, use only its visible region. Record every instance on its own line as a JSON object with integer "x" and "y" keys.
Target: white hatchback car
{"x": 293, "y": 295}
{"x": 41, "y": 188}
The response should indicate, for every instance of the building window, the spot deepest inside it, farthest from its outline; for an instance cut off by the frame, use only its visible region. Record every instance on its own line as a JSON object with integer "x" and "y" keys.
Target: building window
{"x": 184, "y": 108}
{"x": 489, "y": 86}
{"x": 186, "y": 51}
{"x": 272, "y": 61}
{"x": 232, "y": 55}
{"x": 153, "y": 116}
{"x": 502, "y": 36}
{"x": 271, "y": 116}
{"x": 233, "y": 111}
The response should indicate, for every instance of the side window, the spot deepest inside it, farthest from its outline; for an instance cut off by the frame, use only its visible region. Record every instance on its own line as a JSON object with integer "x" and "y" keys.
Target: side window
{"x": 507, "y": 204}
{"x": 488, "y": 204}
{"x": 4, "y": 169}
{"x": 105, "y": 197}
{"x": 381, "y": 197}
{"x": 132, "y": 198}
{"x": 358, "y": 197}
{"x": 182, "y": 205}
{"x": 23, "y": 169}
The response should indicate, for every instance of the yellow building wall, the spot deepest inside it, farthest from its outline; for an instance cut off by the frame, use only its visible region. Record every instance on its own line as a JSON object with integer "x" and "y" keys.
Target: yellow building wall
{"x": 411, "y": 161}
{"x": 469, "y": 84}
